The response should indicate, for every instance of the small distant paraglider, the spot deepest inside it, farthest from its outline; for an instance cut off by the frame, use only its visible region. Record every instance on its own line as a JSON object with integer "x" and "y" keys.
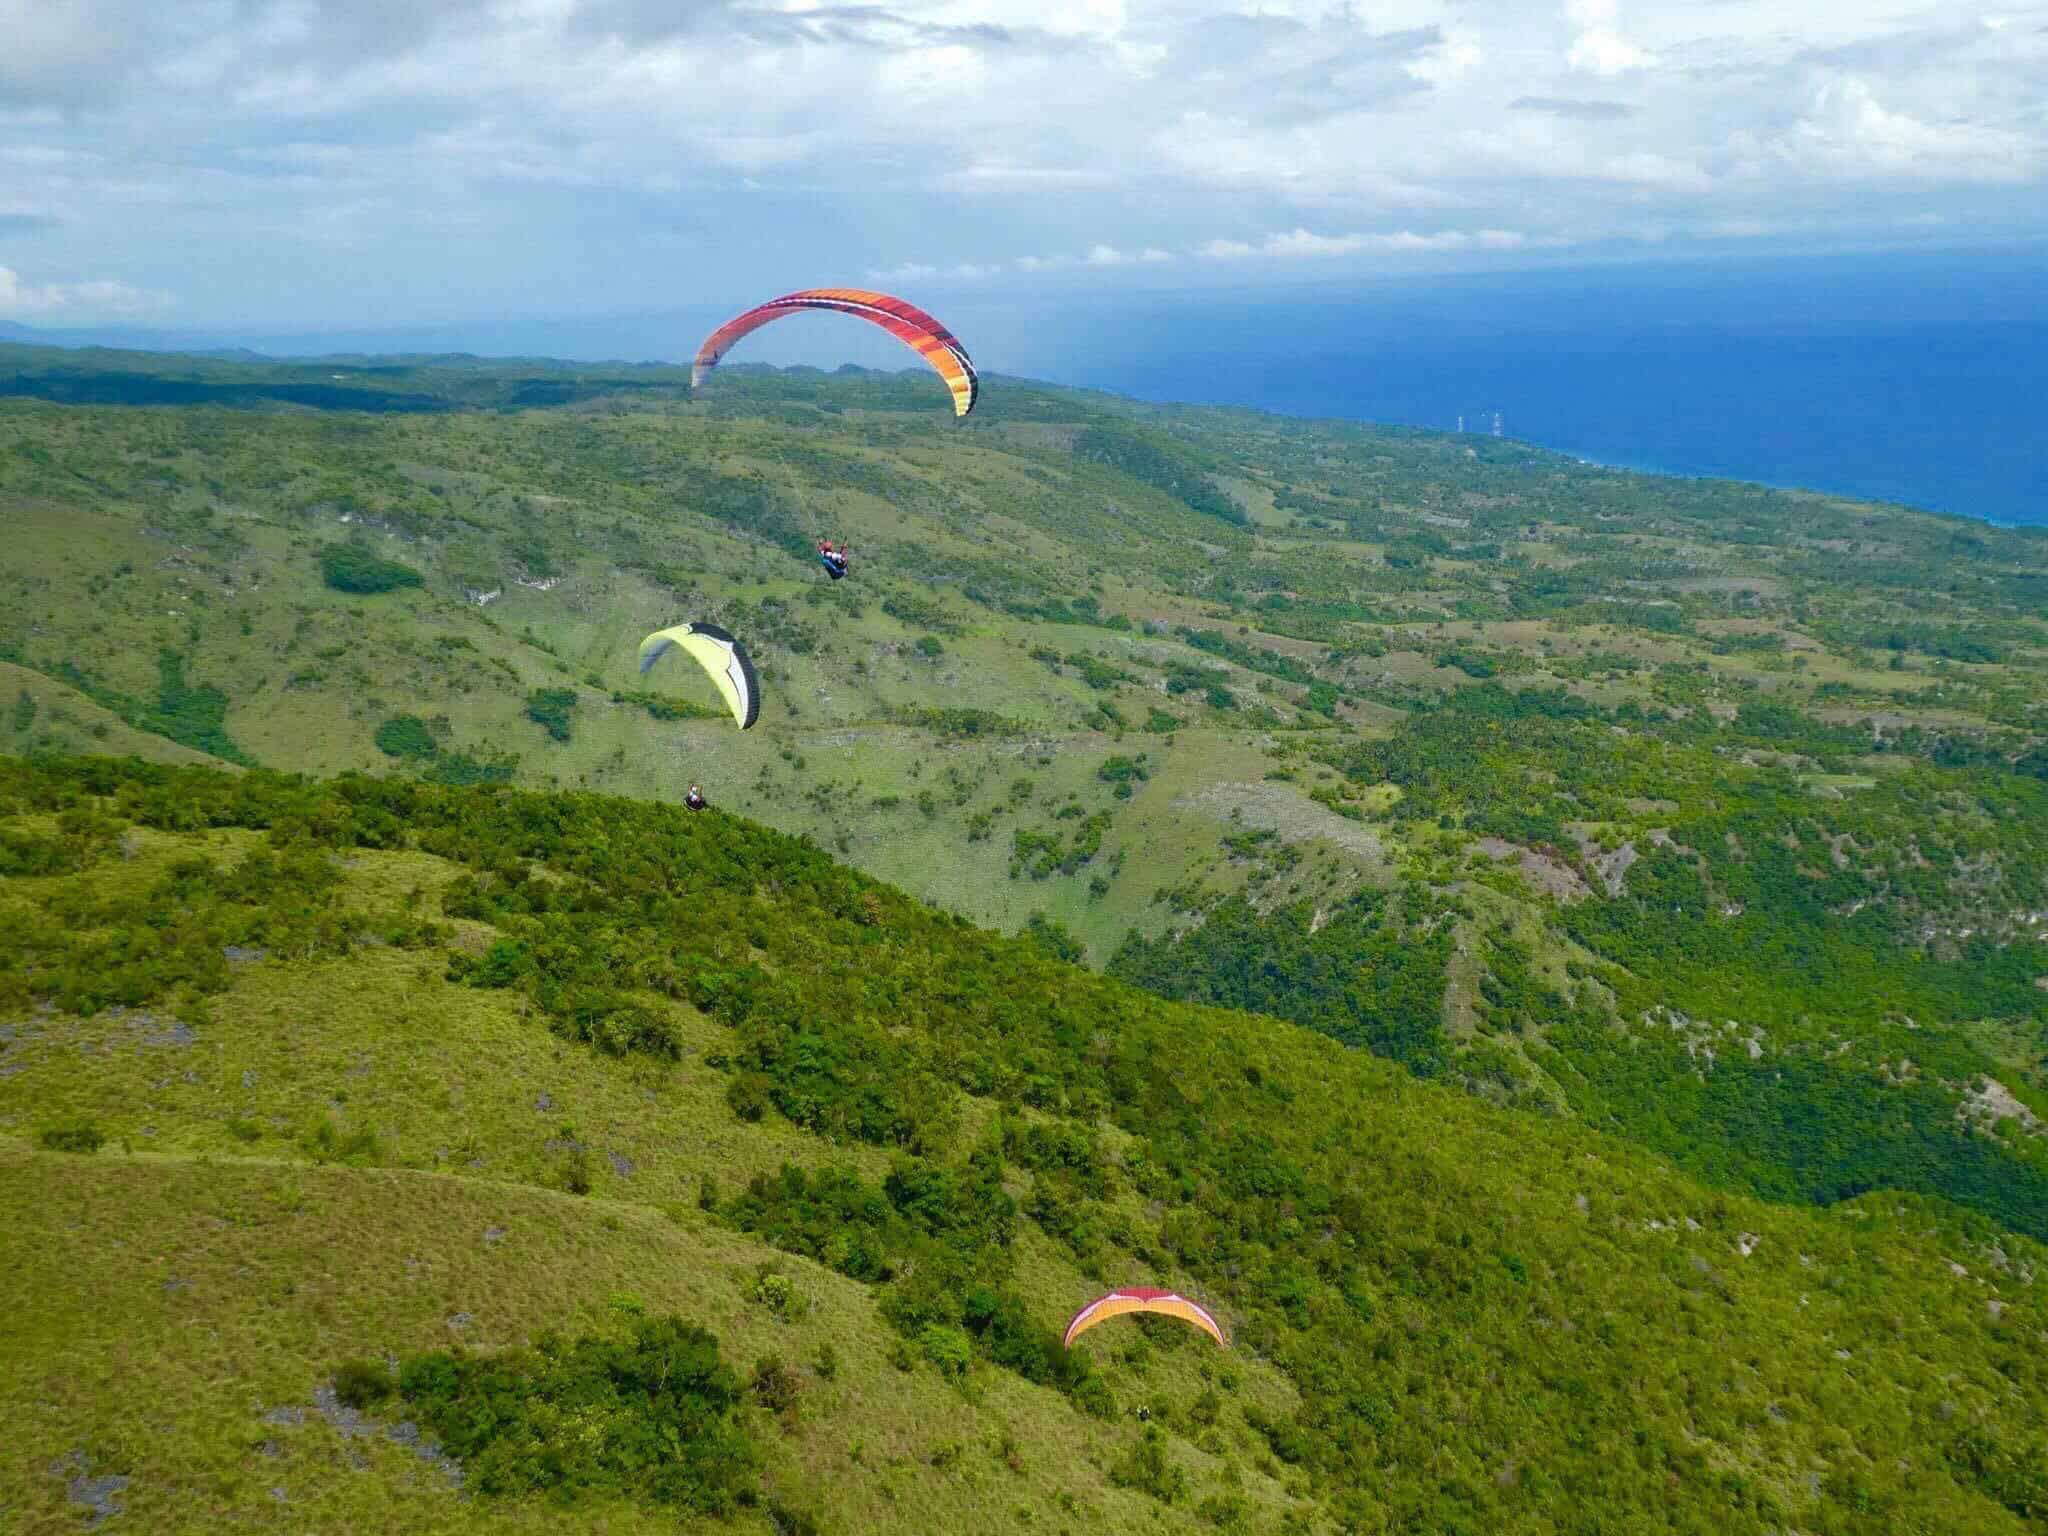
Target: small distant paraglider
{"x": 905, "y": 321}
{"x": 721, "y": 656}
{"x": 1142, "y": 1299}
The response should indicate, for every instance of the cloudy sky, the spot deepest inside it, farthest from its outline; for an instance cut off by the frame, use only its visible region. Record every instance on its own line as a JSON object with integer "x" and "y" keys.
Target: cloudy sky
{"x": 337, "y": 162}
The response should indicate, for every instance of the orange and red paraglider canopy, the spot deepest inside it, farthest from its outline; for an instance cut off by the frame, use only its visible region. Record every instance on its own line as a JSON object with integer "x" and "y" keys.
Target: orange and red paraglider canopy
{"x": 906, "y": 322}
{"x": 1142, "y": 1299}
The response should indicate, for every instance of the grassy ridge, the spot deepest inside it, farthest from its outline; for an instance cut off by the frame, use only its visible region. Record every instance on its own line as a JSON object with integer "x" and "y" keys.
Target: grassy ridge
{"x": 1447, "y": 1317}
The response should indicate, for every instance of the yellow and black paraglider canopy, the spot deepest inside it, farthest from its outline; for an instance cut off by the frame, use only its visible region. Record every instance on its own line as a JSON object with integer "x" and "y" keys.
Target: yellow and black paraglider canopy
{"x": 723, "y": 658}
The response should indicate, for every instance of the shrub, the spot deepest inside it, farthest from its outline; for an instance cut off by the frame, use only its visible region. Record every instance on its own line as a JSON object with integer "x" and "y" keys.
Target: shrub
{"x": 74, "y": 1136}
{"x": 947, "y": 1348}
{"x": 748, "y": 1096}
{"x": 1123, "y": 771}
{"x": 552, "y": 709}
{"x": 957, "y": 723}
{"x": 193, "y": 714}
{"x": 777, "y": 1387}
{"x": 362, "y": 1384}
{"x": 326, "y": 1142}
{"x": 1053, "y": 936}
{"x": 406, "y": 736}
{"x": 1147, "y": 1468}
{"x": 650, "y": 1414}
{"x": 920, "y": 612}
{"x": 458, "y": 769}
{"x": 24, "y": 853}
{"x": 354, "y": 567}
{"x": 778, "y": 1293}
{"x": 1226, "y": 1511}
{"x": 572, "y": 1168}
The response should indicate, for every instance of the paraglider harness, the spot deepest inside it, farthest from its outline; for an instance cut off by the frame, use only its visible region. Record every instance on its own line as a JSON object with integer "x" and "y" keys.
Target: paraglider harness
{"x": 694, "y": 800}
{"x": 834, "y": 560}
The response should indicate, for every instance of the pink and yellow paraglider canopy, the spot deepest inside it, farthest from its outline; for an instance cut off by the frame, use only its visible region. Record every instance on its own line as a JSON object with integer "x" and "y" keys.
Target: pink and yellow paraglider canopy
{"x": 1142, "y": 1299}
{"x": 905, "y": 321}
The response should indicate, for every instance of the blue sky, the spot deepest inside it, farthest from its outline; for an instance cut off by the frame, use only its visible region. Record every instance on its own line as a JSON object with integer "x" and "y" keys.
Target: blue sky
{"x": 332, "y": 164}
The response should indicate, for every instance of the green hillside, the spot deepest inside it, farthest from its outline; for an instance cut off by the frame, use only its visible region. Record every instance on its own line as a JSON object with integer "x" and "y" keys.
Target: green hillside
{"x": 1708, "y": 814}
{"x": 297, "y": 1074}
{"x": 1692, "y": 833}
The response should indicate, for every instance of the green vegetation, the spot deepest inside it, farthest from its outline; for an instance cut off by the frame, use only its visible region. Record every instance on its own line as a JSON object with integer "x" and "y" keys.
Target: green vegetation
{"x": 81, "y": 1136}
{"x": 1699, "y": 816}
{"x": 949, "y": 1142}
{"x": 659, "y": 708}
{"x": 406, "y": 736}
{"x": 358, "y": 568}
{"x": 651, "y": 1414}
{"x": 192, "y": 716}
{"x": 1368, "y": 976}
{"x": 1154, "y": 461}
{"x": 1555, "y": 698}
{"x": 553, "y": 710}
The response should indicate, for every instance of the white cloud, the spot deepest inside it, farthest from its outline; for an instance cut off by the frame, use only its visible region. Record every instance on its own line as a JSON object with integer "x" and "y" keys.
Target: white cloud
{"x": 1300, "y": 242}
{"x": 903, "y": 272}
{"x": 1305, "y": 244}
{"x": 1847, "y": 129}
{"x": 480, "y": 154}
{"x": 1598, "y": 46}
{"x": 97, "y": 296}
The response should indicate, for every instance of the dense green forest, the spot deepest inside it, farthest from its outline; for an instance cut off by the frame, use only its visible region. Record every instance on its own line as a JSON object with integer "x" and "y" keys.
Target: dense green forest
{"x": 1692, "y": 823}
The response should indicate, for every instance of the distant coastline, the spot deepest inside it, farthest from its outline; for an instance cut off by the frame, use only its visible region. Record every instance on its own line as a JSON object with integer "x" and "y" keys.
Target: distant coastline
{"x": 1910, "y": 378}
{"x": 1939, "y": 419}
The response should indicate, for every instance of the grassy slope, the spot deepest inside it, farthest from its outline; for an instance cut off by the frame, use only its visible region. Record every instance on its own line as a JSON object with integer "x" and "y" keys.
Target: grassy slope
{"x": 162, "y": 1307}
{"x": 318, "y": 670}
{"x": 58, "y": 718}
{"x": 196, "y": 529}
{"x": 1394, "y": 565}
{"x": 177, "y": 1290}
{"x": 194, "y": 1276}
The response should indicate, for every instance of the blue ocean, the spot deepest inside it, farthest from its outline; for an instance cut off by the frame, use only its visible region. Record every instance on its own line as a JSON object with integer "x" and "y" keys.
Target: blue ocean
{"x": 1922, "y": 380}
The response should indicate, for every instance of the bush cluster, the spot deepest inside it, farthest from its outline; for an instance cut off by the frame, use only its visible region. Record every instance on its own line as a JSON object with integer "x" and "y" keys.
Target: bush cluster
{"x": 651, "y": 1413}
{"x": 356, "y": 568}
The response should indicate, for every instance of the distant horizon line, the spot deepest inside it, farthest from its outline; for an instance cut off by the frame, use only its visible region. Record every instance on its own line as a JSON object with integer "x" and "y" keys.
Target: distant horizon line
{"x": 1620, "y": 466}
{"x": 1063, "y": 289}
